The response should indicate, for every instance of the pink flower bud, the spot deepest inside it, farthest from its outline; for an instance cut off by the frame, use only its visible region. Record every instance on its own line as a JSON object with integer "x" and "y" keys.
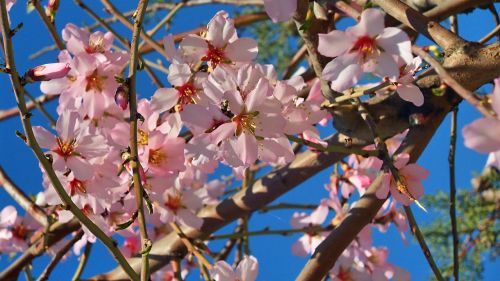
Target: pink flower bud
{"x": 53, "y": 5}
{"x": 121, "y": 97}
{"x": 46, "y": 72}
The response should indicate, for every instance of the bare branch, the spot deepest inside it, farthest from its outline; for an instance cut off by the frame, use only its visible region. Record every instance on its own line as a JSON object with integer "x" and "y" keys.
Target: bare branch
{"x": 22, "y": 199}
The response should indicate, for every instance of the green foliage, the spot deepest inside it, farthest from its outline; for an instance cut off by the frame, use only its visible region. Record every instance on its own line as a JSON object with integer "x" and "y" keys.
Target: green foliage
{"x": 277, "y": 42}
{"x": 478, "y": 229}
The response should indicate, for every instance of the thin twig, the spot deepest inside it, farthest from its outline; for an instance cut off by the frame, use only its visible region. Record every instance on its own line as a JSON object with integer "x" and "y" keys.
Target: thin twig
{"x": 297, "y": 58}
{"x": 42, "y": 109}
{"x": 110, "y": 8}
{"x": 495, "y": 31}
{"x": 334, "y": 148}
{"x": 44, "y": 162}
{"x": 267, "y": 231}
{"x": 191, "y": 248}
{"x": 59, "y": 255}
{"x": 176, "y": 268}
{"x": 83, "y": 261}
{"x": 494, "y": 13}
{"x": 9, "y": 113}
{"x": 42, "y": 51}
{"x": 50, "y": 26}
{"x": 448, "y": 80}
{"x": 421, "y": 241}
{"x": 22, "y": 199}
{"x": 281, "y": 206}
{"x": 134, "y": 160}
{"x": 453, "y": 192}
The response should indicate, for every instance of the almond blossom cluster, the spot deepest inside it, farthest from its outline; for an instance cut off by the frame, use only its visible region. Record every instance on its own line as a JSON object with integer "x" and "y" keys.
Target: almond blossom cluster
{"x": 221, "y": 107}
{"x": 369, "y": 47}
{"x": 236, "y": 111}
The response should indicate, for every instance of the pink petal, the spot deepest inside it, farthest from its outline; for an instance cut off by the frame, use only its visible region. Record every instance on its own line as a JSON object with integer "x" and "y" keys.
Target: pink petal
{"x": 280, "y": 10}
{"x": 223, "y": 132}
{"x": 164, "y": 99}
{"x": 334, "y": 44}
{"x": 411, "y": 93}
{"x": 54, "y": 87}
{"x": 301, "y": 247}
{"x": 257, "y": 96}
{"x": 8, "y": 216}
{"x": 193, "y": 47}
{"x": 246, "y": 148}
{"x": 222, "y": 271}
{"x": 483, "y": 135}
{"x": 172, "y": 54}
{"x": 236, "y": 103}
{"x": 44, "y": 138}
{"x": 371, "y": 23}
{"x": 242, "y": 50}
{"x": 179, "y": 74}
{"x": 82, "y": 169}
{"x": 343, "y": 72}
{"x": 395, "y": 42}
{"x": 385, "y": 66}
{"x": 383, "y": 189}
{"x": 495, "y": 96}
{"x": 248, "y": 269}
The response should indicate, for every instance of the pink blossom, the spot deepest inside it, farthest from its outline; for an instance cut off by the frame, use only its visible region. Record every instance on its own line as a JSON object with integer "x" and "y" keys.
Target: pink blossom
{"x": 483, "y": 134}
{"x": 310, "y": 240}
{"x": 220, "y": 45}
{"x": 280, "y": 10}
{"x": 411, "y": 175}
{"x": 365, "y": 47}
{"x": 73, "y": 147}
{"x": 163, "y": 155}
{"x": 46, "y": 72}
{"x": 180, "y": 206}
{"x": 187, "y": 89}
{"x": 404, "y": 84}
{"x": 246, "y": 270}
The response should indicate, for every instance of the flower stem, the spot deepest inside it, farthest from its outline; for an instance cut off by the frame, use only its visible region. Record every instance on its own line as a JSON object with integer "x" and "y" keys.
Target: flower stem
{"x": 134, "y": 162}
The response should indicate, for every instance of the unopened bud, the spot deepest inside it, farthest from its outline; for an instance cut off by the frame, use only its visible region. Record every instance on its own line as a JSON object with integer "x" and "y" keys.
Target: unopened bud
{"x": 121, "y": 97}
{"x": 53, "y": 5}
{"x": 46, "y": 72}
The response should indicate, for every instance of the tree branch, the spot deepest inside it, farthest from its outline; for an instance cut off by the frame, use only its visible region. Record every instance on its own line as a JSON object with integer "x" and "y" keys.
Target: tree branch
{"x": 22, "y": 199}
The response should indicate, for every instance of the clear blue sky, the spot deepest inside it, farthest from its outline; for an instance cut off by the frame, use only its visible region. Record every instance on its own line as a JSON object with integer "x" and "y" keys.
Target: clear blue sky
{"x": 273, "y": 252}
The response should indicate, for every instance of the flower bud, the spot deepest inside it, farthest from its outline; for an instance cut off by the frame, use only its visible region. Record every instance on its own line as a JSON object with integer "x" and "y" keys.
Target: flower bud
{"x": 121, "y": 97}
{"x": 46, "y": 72}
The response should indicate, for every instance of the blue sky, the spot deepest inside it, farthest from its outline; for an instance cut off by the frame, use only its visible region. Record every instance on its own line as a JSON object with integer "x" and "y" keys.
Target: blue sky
{"x": 273, "y": 252}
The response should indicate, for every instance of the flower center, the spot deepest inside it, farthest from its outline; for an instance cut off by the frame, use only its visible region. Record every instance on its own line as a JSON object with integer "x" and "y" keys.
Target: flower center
{"x": 95, "y": 46}
{"x": 65, "y": 149}
{"x": 143, "y": 137}
{"x": 156, "y": 156}
{"x": 95, "y": 82}
{"x": 214, "y": 56}
{"x": 365, "y": 45}
{"x": 344, "y": 275}
{"x": 174, "y": 202}
{"x": 20, "y": 231}
{"x": 187, "y": 94}
{"x": 245, "y": 122}
{"x": 76, "y": 186}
